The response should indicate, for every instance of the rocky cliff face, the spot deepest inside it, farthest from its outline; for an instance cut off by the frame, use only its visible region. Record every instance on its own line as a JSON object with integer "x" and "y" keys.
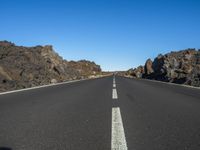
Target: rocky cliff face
{"x": 181, "y": 67}
{"x": 22, "y": 67}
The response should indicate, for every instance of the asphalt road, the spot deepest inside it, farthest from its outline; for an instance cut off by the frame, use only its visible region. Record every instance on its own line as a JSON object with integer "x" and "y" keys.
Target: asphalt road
{"x": 99, "y": 114}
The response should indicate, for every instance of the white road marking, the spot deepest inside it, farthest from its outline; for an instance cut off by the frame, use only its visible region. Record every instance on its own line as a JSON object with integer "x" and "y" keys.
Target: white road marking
{"x": 114, "y": 82}
{"x": 114, "y": 94}
{"x": 43, "y": 86}
{"x": 169, "y": 83}
{"x": 118, "y": 141}
{"x": 114, "y": 85}
{"x": 37, "y": 87}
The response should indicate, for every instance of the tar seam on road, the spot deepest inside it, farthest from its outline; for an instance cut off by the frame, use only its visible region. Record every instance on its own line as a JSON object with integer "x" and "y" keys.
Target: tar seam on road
{"x": 118, "y": 141}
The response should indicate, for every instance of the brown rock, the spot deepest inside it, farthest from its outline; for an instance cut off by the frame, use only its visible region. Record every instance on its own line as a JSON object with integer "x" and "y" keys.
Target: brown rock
{"x": 181, "y": 67}
{"x": 138, "y": 72}
{"x": 22, "y": 67}
{"x": 148, "y": 68}
{"x": 178, "y": 67}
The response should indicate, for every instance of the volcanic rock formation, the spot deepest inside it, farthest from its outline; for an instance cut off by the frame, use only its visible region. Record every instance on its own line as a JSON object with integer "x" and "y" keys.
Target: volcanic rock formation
{"x": 22, "y": 67}
{"x": 181, "y": 67}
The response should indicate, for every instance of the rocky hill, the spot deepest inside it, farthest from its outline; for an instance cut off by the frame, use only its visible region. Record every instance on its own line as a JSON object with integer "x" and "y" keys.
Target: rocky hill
{"x": 22, "y": 67}
{"x": 85, "y": 68}
{"x": 182, "y": 67}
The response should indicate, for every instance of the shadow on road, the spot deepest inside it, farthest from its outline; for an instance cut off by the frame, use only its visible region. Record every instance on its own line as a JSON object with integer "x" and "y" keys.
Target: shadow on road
{"x": 5, "y": 148}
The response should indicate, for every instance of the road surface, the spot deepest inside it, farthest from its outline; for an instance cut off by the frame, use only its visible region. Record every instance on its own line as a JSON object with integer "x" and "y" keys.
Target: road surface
{"x": 110, "y": 113}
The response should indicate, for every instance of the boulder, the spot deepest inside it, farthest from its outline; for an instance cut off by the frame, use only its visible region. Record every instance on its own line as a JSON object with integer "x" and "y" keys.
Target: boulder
{"x": 53, "y": 81}
{"x": 138, "y": 72}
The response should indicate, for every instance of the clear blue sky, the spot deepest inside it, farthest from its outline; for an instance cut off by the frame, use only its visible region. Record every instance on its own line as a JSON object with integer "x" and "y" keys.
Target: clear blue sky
{"x": 117, "y": 34}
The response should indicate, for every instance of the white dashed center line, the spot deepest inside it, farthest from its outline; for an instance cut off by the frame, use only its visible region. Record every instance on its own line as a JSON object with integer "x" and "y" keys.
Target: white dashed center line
{"x": 114, "y": 85}
{"x": 114, "y": 80}
{"x": 118, "y": 141}
{"x": 114, "y": 94}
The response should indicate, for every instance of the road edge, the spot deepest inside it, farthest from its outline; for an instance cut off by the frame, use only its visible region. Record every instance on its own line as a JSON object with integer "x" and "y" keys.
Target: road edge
{"x": 49, "y": 85}
{"x": 169, "y": 83}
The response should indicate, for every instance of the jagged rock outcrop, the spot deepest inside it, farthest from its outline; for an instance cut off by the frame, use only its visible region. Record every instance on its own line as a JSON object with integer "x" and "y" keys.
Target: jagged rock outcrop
{"x": 85, "y": 68}
{"x": 137, "y": 72}
{"x": 148, "y": 67}
{"x": 181, "y": 67}
{"x": 22, "y": 67}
